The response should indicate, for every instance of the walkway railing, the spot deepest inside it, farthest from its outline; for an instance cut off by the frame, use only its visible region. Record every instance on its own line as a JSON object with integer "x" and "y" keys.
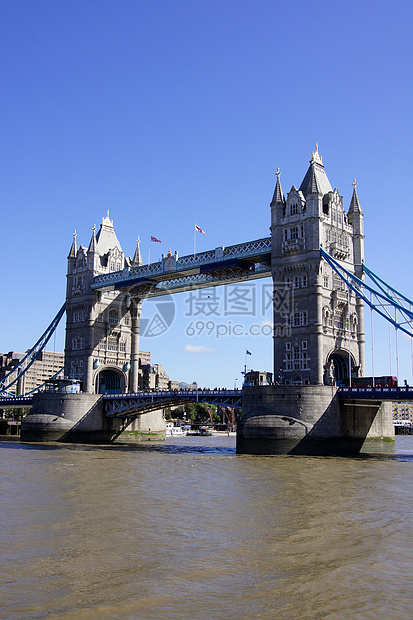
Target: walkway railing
{"x": 378, "y": 393}
{"x": 176, "y": 266}
{"x": 126, "y": 404}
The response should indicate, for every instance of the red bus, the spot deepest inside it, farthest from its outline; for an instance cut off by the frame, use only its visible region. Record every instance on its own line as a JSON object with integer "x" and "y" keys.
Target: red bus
{"x": 368, "y": 382}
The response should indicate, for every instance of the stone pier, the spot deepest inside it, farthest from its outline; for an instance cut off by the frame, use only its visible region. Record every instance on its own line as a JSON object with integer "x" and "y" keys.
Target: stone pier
{"x": 311, "y": 419}
{"x": 79, "y": 418}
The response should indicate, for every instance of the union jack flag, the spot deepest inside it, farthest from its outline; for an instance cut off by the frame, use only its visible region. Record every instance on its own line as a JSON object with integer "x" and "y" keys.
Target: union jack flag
{"x": 155, "y": 239}
{"x": 199, "y": 229}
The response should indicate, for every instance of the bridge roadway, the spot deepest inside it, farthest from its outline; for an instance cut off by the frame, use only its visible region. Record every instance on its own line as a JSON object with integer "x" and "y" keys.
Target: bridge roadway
{"x": 119, "y": 405}
{"x": 376, "y": 393}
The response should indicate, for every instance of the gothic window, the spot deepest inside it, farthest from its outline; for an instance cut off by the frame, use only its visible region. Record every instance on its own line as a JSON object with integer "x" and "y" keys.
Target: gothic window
{"x": 294, "y": 209}
{"x": 113, "y": 317}
{"x": 122, "y": 347}
{"x": 79, "y": 315}
{"x": 325, "y": 281}
{"x": 338, "y": 284}
{"x": 297, "y": 282}
{"x": 100, "y": 317}
{"x": 298, "y": 318}
{"x": 328, "y": 235}
{"x": 126, "y": 320}
{"x": 294, "y": 232}
{"x": 112, "y": 343}
{"x": 78, "y": 344}
{"x": 304, "y": 345}
{"x": 288, "y": 346}
{"x": 296, "y": 357}
{"x": 304, "y": 281}
{"x": 288, "y": 361}
{"x": 285, "y": 234}
{"x": 102, "y": 345}
{"x": 302, "y": 232}
{"x": 339, "y": 321}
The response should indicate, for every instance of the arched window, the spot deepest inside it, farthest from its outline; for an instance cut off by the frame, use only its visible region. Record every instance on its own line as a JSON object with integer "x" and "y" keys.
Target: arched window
{"x": 113, "y": 317}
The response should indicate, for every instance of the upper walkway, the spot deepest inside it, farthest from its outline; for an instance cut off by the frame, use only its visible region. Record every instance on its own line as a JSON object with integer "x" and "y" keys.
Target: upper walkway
{"x": 235, "y": 263}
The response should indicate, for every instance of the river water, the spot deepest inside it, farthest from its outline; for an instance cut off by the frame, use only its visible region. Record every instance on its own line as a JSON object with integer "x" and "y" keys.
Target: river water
{"x": 189, "y": 530}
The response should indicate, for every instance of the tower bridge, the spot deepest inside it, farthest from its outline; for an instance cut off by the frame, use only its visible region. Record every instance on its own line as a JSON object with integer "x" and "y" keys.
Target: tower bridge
{"x": 318, "y": 317}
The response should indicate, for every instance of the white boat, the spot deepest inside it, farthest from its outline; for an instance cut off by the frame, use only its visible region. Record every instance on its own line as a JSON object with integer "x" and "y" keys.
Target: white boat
{"x": 174, "y": 431}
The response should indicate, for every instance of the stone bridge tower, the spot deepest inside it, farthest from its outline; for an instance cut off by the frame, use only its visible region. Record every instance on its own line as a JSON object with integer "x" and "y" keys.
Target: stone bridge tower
{"x": 318, "y": 325}
{"x": 102, "y": 328}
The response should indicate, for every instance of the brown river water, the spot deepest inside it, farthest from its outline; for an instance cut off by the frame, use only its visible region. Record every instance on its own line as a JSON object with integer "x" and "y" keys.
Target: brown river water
{"x": 189, "y": 530}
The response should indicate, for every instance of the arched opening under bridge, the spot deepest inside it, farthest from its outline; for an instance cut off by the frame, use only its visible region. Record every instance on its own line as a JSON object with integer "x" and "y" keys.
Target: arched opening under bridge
{"x": 108, "y": 381}
{"x": 337, "y": 369}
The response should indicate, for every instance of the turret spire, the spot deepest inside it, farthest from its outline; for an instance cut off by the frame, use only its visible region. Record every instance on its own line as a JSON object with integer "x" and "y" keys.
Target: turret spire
{"x": 355, "y": 204}
{"x": 73, "y": 249}
{"x": 92, "y": 245}
{"x": 137, "y": 258}
{"x": 315, "y": 180}
{"x": 278, "y": 197}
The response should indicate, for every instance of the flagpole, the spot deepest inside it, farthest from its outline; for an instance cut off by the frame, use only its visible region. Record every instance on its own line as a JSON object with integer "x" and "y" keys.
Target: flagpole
{"x": 194, "y": 238}
{"x": 149, "y": 253}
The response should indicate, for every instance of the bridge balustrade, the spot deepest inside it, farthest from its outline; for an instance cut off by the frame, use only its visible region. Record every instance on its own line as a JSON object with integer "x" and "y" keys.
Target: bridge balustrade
{"x": 377, "y": 392}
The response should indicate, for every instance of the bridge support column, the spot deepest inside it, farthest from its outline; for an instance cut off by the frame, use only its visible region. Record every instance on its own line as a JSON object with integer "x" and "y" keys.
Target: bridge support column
{"x": 311, "y": 419}
{"x": 136, "y": 309}
{"x": 361, "y": 336}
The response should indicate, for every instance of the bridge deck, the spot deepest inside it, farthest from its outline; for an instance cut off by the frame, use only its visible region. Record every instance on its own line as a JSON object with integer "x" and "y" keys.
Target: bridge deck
{"x": 376, "y": 393}
{"x": 119, "y": 405}
{"x": 236, "y": 263}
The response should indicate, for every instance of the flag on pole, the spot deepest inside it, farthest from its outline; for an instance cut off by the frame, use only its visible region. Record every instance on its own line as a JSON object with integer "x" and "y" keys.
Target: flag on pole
{"x": 199, "y": 229}
{"x": 155, "y": 239}
{"x": 248, "y": 352}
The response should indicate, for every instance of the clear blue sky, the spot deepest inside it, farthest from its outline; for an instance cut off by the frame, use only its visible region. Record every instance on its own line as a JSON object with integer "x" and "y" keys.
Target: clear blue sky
{"x": 172, "y": 112}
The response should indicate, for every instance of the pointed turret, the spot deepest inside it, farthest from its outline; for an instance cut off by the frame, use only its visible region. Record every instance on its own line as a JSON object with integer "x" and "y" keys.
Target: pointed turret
{"x": 355, "y": 204}
{"x": 355, "y": 218}
{"x": 137, "y": 258}
{"x": 315, "y": 180}
{"x": 106, "y": 236}
{"x": 278, "y": 197}
{"x": 93, "y": 244}
{"x": 92, "y": 251}
{"x": 73, "y": 248}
